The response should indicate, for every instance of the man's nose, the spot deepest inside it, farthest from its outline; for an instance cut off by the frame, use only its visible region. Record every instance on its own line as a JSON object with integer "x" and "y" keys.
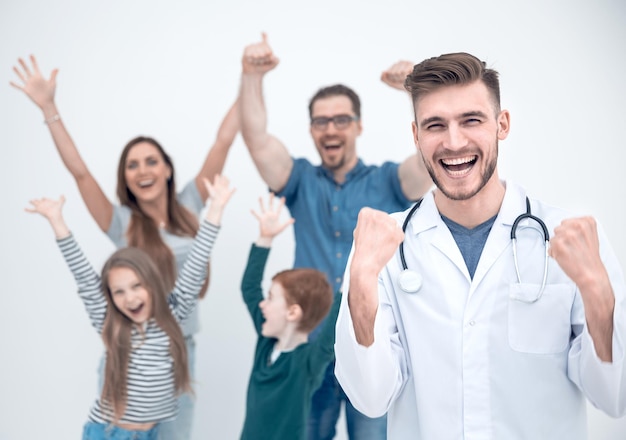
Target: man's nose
{"x": 455, "y": 137}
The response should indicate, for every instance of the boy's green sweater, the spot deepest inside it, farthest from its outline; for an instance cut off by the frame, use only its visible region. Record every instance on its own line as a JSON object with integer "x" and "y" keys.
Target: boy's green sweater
{"x": 279, "y": 394}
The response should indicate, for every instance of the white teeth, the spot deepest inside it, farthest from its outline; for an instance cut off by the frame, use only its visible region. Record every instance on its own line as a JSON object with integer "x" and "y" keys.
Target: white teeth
{"x": 458, "y": 161}
{"x": 146, "y": 182}
{"x": 331, "y": 143}
{"x": 458, "y": 173}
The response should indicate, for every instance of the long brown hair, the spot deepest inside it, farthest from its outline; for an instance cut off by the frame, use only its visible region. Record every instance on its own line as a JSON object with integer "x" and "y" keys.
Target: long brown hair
{"x": 117, "y": 329}
{"x": 142, "y": 231}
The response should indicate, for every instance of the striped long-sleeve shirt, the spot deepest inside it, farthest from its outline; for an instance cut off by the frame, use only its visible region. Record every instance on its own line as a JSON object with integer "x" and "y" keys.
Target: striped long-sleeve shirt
{"x": 150, "y": 379}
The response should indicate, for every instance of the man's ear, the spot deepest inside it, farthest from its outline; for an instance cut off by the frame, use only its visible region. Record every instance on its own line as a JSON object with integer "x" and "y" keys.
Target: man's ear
{"x": 415, "y": 139}
{"x": 504, "y": 124}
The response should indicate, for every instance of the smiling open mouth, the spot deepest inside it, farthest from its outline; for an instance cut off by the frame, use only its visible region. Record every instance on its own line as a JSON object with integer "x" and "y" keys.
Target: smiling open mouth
{"x": 136, "y": 310}
{"x": 332, "y": 146}
{"x": 459, "y": 165}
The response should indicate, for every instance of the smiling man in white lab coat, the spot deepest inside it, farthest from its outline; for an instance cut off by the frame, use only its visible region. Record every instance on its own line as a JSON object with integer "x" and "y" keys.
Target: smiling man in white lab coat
{"x": 477, "y": 348}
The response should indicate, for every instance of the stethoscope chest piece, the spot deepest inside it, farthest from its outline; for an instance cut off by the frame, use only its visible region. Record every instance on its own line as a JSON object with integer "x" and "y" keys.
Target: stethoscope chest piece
{"x": 410, "y": 281}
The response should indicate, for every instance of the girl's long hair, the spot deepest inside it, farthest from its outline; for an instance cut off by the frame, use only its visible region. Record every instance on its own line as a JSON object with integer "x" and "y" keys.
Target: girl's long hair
{"x": 116, "y": 332}
{"x": 143, "y": 232}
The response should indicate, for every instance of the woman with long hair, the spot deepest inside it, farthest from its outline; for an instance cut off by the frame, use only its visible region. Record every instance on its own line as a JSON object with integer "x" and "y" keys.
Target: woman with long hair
{"x": 151, "y": 214}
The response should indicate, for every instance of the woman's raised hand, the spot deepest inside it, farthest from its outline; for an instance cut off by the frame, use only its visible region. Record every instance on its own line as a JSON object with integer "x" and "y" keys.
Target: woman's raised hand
{"x": 39, "y": 89}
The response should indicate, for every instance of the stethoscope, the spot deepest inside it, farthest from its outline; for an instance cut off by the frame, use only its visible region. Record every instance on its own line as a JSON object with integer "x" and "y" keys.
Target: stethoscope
{"x": 411, "y": 282}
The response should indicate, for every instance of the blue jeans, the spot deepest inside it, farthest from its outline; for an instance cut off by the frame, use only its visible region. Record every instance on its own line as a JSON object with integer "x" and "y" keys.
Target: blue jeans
{"x": 180, "y": 427}
{"x": 325, "y": 409}
{"x": 100, "y": 431}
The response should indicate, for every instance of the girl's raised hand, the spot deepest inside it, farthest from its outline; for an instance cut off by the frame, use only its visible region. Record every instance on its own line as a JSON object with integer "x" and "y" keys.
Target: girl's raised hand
{"x": 219, "y": 195}
{"x": 220, "y": 190}
{"x": 51, "y": 210}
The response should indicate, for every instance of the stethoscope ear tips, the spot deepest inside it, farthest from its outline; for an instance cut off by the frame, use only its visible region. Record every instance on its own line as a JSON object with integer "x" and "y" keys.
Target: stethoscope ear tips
{"x": 410, "y": 281}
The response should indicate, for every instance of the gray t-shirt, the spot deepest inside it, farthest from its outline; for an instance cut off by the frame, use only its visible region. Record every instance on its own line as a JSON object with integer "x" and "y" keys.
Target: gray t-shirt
{"x": 190, "y": 198}
{"x": 470, "y": 241}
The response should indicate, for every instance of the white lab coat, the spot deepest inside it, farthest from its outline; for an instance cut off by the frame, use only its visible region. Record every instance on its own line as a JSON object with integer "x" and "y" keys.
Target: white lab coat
{"x": 463, "y": 359}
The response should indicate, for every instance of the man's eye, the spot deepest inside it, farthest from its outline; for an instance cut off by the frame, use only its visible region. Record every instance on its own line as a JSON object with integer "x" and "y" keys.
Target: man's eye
{"x": 434, "y": 126}
{"x": 320, "y": 122}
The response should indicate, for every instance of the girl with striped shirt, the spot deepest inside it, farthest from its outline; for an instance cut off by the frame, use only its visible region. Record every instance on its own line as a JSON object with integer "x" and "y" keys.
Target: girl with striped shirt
{"x": 146, "y": 359}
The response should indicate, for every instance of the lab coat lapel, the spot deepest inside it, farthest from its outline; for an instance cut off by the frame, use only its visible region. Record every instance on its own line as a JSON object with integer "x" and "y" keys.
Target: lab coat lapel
{"x": 499, "y": 240}
{"x": 442, "y": 238}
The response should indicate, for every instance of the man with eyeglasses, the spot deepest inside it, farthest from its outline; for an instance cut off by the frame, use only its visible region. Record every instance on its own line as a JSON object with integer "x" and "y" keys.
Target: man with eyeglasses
{"x": 325, "y": 199}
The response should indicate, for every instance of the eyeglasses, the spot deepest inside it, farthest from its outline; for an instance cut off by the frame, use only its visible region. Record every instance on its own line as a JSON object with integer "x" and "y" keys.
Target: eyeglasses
{"x": 341, "y": 122}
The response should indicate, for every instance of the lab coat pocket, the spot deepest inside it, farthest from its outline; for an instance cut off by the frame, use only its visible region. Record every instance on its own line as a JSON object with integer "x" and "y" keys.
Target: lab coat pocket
{"x": 540, "y": 324}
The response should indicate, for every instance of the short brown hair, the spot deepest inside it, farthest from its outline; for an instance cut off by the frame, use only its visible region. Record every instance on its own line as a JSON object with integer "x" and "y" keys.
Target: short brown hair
{"x": 337, "y": 90}
{"x": 451, "y": 69}
{"x": 309, "y": 289}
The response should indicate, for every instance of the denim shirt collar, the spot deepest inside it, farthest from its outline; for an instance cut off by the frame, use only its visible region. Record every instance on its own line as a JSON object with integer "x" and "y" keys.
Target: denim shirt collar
{"x": 358, "y": 168}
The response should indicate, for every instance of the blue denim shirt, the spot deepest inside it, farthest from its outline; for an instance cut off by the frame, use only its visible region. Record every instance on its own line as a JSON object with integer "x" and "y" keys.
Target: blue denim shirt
{"x": 326, "y": 212}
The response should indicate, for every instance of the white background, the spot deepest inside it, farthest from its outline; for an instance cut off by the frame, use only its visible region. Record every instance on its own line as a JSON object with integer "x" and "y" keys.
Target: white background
{"x": 171, "y": 69}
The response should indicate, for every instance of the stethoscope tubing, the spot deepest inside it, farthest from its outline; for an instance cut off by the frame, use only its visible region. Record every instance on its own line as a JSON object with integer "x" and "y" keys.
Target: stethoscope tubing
{"x": 527, "y": 215}
{"x": 404, "y": 226}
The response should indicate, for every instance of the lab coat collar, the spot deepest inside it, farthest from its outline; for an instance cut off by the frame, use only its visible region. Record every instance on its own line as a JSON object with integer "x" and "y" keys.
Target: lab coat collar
{"x": 428, "y": 217}
{"x": 513, "y": 204}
